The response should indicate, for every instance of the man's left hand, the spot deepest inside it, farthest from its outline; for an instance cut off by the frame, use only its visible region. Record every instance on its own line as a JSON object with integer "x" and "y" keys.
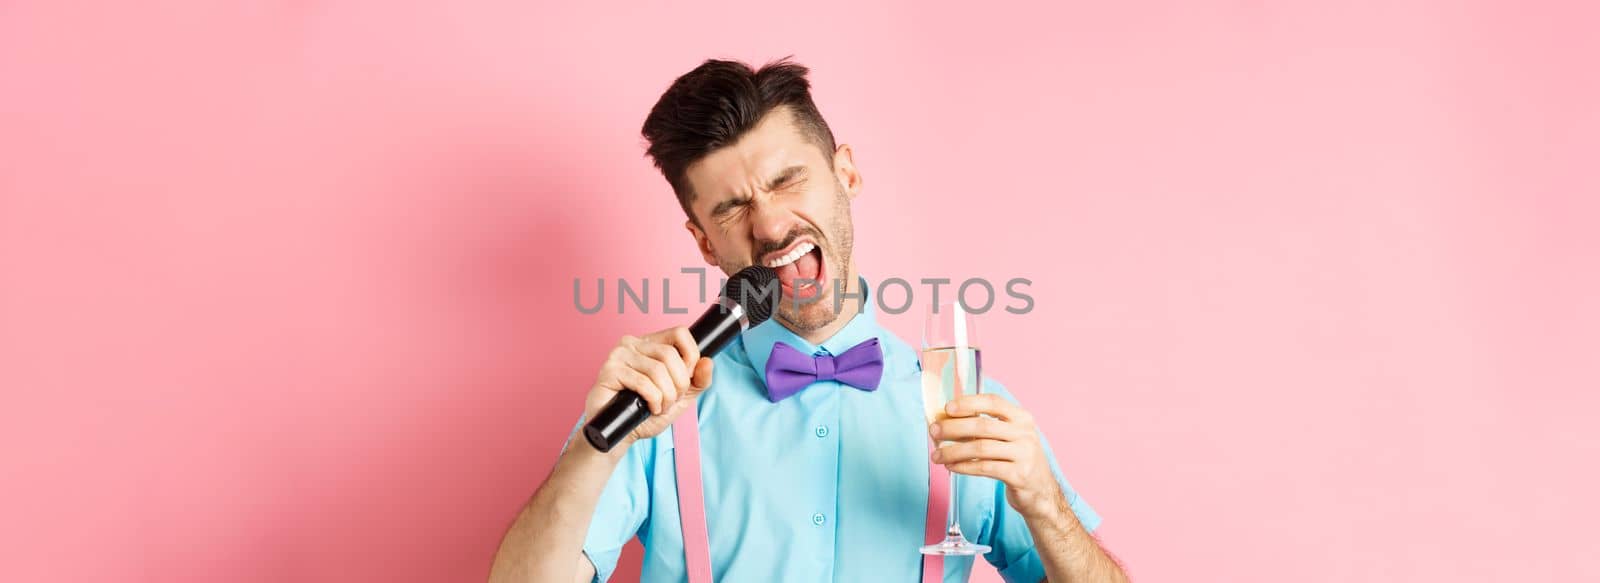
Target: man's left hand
{"x": 986, "y": 435}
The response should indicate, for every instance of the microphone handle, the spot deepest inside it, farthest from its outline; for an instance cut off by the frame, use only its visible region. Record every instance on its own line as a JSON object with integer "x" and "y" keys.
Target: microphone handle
{"x": 626, "y": 410}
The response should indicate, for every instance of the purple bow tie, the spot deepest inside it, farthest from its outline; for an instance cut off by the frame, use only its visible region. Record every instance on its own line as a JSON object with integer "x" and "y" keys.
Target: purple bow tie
{"x": 788, "y": 370}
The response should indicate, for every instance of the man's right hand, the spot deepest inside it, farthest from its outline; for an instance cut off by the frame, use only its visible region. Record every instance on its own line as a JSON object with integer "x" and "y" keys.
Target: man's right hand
{"x": 663, "y": 367}
{"x": 545, "y": 542}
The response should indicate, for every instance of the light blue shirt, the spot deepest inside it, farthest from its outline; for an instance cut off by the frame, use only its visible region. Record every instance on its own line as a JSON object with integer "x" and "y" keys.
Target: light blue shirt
{"x": 830, "y": 484}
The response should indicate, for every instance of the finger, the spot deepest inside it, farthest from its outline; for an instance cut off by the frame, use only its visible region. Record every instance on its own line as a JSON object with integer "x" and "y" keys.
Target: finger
{"x": 638, "y": 382}
{"x": 963, "y": 428}
{"x": 656, "y": 371}
{"x": 615, "y": 360}
{"x": 680, "y": 338}
{"x": 985, "y": 404}
{"x": 669, "y": 356}
{"x": 977, "y": 449}
{"x": 997, "y": 469}
{"x": 702, "y": 374}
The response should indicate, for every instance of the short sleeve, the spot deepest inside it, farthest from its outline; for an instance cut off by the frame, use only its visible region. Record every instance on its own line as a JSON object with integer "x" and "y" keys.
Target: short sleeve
{"x": 1014, "y": 555}
{"x": 623, "y": 507}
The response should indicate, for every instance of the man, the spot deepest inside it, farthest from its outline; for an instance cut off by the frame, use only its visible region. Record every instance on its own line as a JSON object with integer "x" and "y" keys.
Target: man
{"x": 829, "y": 483}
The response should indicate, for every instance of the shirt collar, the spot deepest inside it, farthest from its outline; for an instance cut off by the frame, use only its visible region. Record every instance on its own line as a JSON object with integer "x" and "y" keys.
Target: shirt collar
{"x": 758, "y": 341}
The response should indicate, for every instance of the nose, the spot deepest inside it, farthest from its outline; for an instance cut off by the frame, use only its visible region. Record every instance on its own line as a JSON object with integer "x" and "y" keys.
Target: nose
{"x": 771, "y": 221}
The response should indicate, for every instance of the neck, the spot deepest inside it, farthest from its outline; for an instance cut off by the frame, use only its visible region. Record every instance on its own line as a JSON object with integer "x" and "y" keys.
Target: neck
{"x": 847, "y": 312}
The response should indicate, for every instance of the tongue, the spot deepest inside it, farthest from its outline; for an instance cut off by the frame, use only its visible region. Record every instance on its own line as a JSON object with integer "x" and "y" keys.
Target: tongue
{"x": 805, "y": 267}
{"x": 786, "y": 275}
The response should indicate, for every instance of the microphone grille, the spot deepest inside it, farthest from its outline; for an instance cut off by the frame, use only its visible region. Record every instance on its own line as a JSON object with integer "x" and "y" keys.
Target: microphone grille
{"x": 756, "y": 290}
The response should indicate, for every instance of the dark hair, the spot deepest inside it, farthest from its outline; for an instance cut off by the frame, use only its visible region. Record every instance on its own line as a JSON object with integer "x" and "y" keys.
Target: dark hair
{"x": 717, "y": 103}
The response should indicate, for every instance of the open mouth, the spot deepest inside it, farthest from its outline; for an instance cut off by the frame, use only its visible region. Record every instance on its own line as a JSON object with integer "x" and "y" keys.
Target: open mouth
{"x": 800, "y": 271}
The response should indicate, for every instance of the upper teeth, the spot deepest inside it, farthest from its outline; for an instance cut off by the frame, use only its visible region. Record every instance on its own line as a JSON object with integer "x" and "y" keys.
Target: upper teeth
{"x": 791, "y": 256}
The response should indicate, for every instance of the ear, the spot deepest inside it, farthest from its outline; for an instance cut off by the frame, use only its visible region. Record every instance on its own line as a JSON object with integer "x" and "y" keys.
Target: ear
{"x": 702, "y": 242}
{"x": 844, "y": 169}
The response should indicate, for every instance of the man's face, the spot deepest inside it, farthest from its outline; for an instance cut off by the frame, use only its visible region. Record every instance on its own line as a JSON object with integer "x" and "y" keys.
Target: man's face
{"x": 773, "y": 198}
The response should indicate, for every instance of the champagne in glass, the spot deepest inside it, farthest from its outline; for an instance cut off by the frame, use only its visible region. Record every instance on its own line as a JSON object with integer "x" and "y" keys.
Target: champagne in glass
{"x": 948, "y": 373}
{"x": 950, "y": 369}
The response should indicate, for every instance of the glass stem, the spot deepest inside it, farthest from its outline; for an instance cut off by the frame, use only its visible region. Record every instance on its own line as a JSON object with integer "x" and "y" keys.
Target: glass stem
{"x": 953, "y": 529}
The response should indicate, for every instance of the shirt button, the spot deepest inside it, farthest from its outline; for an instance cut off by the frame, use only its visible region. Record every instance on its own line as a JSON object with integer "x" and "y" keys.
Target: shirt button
{"x": 822, "y": 431}
{"x": 818, "y": 519}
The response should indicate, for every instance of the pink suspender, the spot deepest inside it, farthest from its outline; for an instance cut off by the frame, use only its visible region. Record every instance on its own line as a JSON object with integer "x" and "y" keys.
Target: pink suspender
{"x": 691, "y": 500}
{"x": 933, "y": 525}
{"x": 692, "y": 507}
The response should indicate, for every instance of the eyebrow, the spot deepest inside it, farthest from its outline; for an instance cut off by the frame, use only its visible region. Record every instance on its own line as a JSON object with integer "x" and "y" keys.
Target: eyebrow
{"x": 786, "y": 175}
{"x": 783, "y": 176}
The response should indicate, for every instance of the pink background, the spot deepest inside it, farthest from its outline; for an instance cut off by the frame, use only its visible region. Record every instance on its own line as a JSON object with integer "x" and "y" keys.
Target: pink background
{"x": 285, "y": 288}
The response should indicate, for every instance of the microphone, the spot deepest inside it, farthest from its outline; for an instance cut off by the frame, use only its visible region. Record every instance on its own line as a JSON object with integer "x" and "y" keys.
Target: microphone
{"x": 739, "y": 307}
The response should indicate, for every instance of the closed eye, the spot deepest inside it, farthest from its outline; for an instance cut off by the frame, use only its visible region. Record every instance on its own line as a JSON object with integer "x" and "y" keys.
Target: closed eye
{"x": 729, "y": 209}
{"x": 787, "y": 178}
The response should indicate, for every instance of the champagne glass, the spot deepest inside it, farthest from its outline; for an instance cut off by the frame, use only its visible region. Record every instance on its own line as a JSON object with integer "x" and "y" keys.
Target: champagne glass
{"x": 950, "y": 369}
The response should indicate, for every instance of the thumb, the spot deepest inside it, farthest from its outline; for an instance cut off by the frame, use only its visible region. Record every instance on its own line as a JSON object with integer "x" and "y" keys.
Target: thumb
{"x": 701, "y": 378}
